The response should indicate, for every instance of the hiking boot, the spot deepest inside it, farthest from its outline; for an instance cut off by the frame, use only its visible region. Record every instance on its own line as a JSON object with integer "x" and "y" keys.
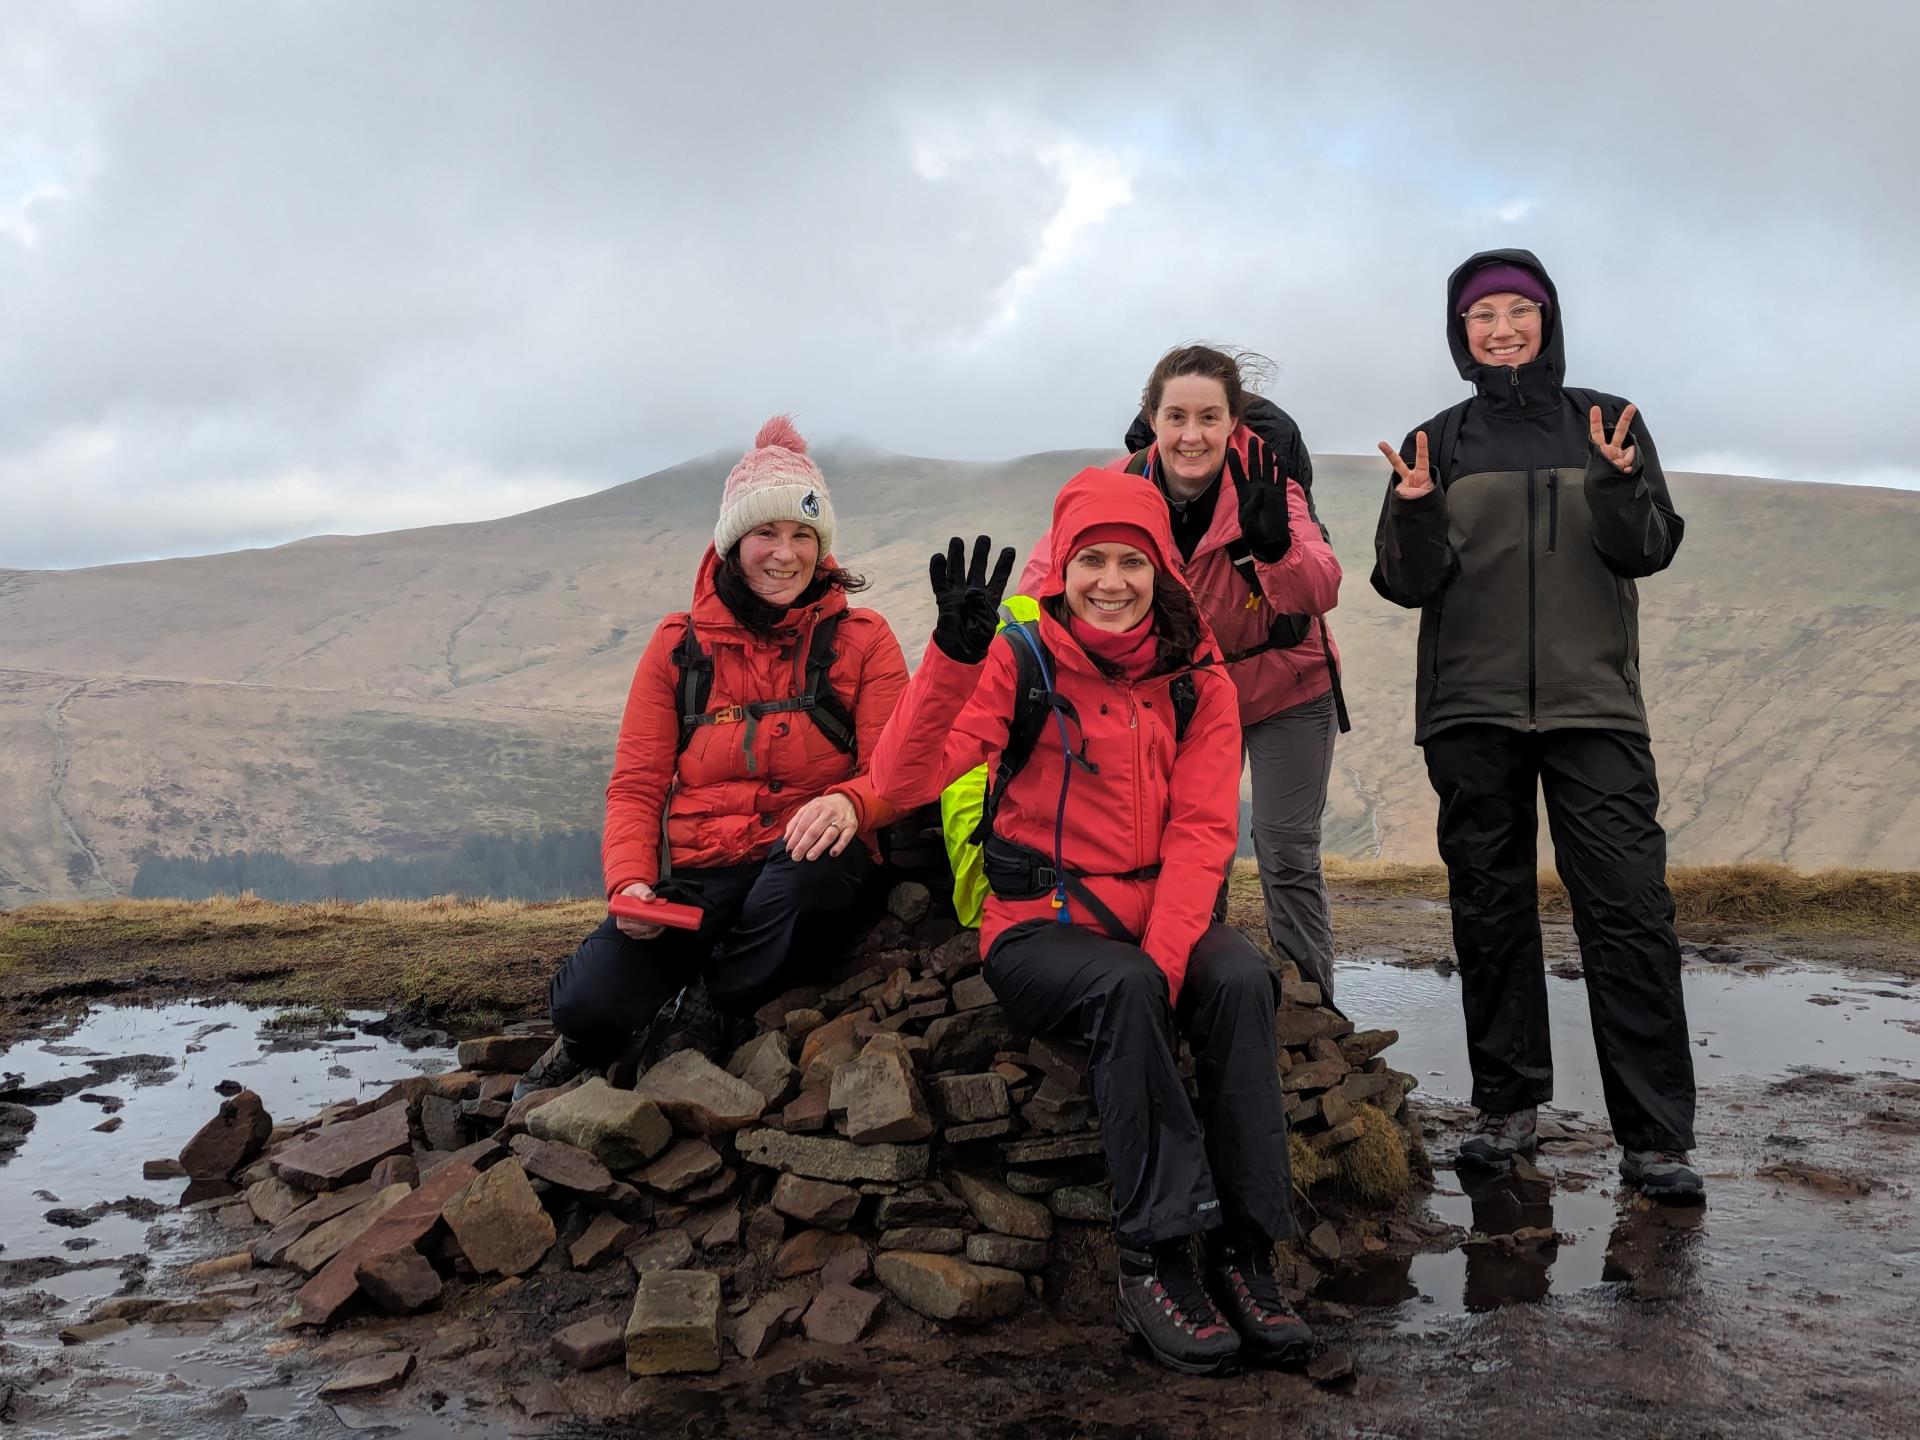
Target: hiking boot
{"x": 1495, "y": 1139}
{"x": 699, "y": 1024}
{"x": 1164, "y": 1304}
{"x": 555, "y": 1068}
{"x": 1242, "y": 1279}
{"x": 1662, "y": 1174}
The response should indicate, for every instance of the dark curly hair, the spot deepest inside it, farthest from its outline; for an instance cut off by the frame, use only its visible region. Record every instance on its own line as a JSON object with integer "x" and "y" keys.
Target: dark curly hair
{"x": 762, "y": 618}
{"x": 1177, "y": 629}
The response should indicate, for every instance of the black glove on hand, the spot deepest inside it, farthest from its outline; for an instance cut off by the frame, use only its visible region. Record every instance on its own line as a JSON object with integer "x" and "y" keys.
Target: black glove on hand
{"x": 1263, "y": 502}
{"x": 969, "y": 602}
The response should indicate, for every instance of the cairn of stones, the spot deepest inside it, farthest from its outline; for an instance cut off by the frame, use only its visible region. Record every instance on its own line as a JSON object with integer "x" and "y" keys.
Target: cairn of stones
{"x": 884, "y": 1138}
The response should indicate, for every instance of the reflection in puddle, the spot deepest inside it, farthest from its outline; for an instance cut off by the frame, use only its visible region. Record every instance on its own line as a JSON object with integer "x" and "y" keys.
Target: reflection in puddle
{"x": 1512, "y": 1257}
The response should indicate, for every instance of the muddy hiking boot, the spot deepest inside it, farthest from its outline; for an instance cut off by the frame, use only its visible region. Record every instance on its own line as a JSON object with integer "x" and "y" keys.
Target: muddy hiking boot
{"x": 1165, "y": 1306}
{"x": 555, "y": 1068}
{"x": 689, "y": 1020}
{"x": 1495, "y": 1138}
{"x": 1662, "y": 1174}
{"x": 1243, "y": 1280}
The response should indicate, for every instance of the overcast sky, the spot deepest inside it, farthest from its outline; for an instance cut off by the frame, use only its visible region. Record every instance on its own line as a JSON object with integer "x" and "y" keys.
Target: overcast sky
{"x": 274, "y": 269}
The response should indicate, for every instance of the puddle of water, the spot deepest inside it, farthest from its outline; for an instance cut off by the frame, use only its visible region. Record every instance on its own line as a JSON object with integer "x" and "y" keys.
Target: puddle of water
{"x": 1746, "y": 1025}
{"x": 160, "y": 1382}
{"x": 1743, "y": 1024}
{"x": 66, "y": 1157}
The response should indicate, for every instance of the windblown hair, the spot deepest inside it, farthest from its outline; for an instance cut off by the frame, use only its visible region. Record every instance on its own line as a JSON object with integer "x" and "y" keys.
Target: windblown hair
{"x": 1241, "y": 373}
{"x": 762, "y": 618}
{"x": 1177, "y": 628}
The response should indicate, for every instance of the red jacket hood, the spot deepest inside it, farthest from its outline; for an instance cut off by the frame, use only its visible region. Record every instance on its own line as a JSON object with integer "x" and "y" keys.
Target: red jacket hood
{"x": 1097, "y": 497}
{"x": 711, "y": 615}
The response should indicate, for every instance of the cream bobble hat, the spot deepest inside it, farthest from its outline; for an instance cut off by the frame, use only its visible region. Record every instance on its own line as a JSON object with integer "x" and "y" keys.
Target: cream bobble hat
{"x": 775, "y": 480}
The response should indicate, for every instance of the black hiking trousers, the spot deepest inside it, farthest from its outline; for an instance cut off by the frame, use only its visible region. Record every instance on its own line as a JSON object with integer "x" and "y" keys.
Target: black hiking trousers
{"x": 769, "y": 925}
{"x": 1177, "y": 1169}
{"x": 1611, "y": 853}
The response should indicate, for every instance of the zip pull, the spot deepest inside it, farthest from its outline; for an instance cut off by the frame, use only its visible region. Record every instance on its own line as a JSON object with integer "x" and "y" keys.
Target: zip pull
{"x": 1060, "y": 914}
{"x": 1513, "y": 383}
{"x": 1553, "y": 509}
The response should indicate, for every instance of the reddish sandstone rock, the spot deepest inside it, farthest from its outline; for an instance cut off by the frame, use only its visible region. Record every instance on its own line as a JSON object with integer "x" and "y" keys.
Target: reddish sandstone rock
{"x": 401, "y": 1228}
{"x": 337, "y": 1155}
{"x": 567, "y": 1166}
{"x": 840, "y": 1315}
{"x": 399, "y": 1282}
{"x": 944, "y": 1287}
{"x": 810, "y": 1249}
{"x": 698, "y": 1096}
{"x": 603, "y": 1240}
{"x": 495, "y": 1053}
{"x": 816, "y": 1202}
{"x": 686, "y": 1163}
{"x": 591, "y": 1343}
{"x": 237, "y": 1133}
{"x": 500, "y": 1224}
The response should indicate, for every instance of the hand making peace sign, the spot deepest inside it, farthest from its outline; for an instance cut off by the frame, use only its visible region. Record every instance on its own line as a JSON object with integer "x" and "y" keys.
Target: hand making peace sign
{"x": 1619, "y": 451}
{"x": 1415, "y": 482}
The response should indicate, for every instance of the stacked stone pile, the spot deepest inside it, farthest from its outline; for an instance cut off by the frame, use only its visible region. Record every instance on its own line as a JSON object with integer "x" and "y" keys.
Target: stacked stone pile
{"x": 885, "y": 1137}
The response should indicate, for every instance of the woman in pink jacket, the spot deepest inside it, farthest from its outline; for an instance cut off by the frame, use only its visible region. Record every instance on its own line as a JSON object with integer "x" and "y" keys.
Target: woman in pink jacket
{"x": 1265, "y": 576}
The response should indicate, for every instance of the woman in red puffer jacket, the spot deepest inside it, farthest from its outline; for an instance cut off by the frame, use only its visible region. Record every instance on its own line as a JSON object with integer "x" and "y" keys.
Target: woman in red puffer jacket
{"x": 739, "y": 782}
{"x": 1232, "y": 470}
{"x": 1106, "y": 849}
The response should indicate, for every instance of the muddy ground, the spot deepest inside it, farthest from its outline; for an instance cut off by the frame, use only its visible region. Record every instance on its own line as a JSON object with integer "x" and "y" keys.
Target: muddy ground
{"x": 1785, "y": 1307}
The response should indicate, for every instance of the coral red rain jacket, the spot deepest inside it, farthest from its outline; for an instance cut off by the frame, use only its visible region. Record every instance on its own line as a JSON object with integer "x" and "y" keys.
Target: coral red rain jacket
{"x": 737, "y": 784}
{"x": 1304, "y": 581}
{"x": 1150, "y": 802}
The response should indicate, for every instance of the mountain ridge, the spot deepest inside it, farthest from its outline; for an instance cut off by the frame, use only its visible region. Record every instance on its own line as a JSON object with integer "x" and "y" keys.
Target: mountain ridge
{"x": 341, "y": 695}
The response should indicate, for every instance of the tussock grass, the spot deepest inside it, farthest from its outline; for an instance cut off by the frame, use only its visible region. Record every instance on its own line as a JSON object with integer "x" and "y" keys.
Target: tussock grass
{"x": 1881, "y": 902}
{"x": 457, "y": 960}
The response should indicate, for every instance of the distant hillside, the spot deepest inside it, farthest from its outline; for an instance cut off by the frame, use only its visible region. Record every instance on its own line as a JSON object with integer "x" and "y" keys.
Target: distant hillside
{"x": 339, "y": 697}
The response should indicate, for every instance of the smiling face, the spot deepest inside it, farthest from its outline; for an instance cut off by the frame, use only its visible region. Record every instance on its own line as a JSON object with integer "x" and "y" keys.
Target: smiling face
{"x": 1110, "y": 586}
{"x": 778, "y": 559}
{"x": 1503, "y": 329}
{"x": 1191, "y": 426}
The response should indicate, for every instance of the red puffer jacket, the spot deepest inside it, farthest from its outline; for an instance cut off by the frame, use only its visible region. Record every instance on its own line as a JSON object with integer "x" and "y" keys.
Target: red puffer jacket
{"x": 1304, "y": 581}
{"x": 1150, "y": 802}
{"x": 737, "y": 784}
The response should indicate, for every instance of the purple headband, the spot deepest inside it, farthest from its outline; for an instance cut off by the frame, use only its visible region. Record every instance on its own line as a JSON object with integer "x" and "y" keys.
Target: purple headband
{"x": 1501, "y": 280}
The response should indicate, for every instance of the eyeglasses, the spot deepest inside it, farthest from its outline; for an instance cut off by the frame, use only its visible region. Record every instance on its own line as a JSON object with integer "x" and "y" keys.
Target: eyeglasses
{"x": 1524, "y": 312}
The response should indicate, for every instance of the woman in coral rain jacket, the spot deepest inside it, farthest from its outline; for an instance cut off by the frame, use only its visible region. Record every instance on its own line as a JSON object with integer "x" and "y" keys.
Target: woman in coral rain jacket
{"x": 1124, "y": 953}
{"x": 1201, "y": 432}
{"x": 756, "y": 810}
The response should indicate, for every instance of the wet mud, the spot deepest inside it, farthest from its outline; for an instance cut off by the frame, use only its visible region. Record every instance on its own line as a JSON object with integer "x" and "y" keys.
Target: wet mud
{"x": 1548, "y": 1301}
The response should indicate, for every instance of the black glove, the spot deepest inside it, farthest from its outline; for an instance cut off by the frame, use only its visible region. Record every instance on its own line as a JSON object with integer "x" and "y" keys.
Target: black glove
{"x": 1263, "y": 502}
{"x": 969, "y": 602}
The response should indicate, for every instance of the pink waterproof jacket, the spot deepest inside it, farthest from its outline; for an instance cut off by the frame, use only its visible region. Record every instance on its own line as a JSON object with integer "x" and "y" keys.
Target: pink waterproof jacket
{"x": 1304, "y": 581}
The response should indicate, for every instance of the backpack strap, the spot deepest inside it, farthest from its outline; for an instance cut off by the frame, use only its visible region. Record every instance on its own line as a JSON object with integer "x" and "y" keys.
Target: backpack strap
{"x": 1035, "y": 701}
{"x": 824, "y": 707}
{"x": 696, "y": 683}
{"x": 1441, "y": 461}
{"x": 817, "y": 700}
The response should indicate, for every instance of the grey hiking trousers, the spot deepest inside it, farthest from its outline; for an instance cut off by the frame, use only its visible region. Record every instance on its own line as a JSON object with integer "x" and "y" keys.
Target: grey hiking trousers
{"x": 1292, "y": 758}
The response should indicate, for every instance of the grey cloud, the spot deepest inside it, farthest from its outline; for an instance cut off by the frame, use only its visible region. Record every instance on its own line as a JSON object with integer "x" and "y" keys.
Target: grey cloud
{"x": 347, "y": 266}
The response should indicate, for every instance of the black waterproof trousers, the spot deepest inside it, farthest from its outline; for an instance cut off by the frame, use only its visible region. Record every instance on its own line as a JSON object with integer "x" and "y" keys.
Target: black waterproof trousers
{"x": 1177, "y": 1170}
{"x": 769, "y": 925}
{"x": 1612, "y": 856}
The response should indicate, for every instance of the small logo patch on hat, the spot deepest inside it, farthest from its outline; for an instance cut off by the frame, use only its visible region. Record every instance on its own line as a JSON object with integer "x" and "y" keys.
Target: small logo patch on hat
{"x": 810, "y": 506}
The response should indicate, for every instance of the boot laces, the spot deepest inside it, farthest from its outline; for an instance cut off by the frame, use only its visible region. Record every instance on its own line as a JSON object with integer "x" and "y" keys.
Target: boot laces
{"x": 1176, "y": 1285}
{"x": 1257, "y": 1287}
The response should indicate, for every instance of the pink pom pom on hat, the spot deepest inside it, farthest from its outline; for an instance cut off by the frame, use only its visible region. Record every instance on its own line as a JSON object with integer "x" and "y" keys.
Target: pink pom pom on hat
{"x": 775, "y": 480}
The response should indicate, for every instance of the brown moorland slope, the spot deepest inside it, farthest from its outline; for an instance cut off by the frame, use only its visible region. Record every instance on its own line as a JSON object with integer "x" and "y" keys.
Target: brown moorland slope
{"x": 349, "y": 695}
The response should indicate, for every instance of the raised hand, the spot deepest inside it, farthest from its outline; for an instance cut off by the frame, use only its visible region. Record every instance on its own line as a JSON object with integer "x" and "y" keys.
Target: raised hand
{"x": 1264, "y": 520}
{"x": 1415, "y": 481}
{"x": 1619, "y": 452}
{"x": 967, "y": 599}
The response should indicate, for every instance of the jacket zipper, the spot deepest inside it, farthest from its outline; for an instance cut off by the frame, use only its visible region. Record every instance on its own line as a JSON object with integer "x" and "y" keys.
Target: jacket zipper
{"x": 1553, "y": 509}
{"x": 1139, "y": 774}
{"x": 1533, "y": 527}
